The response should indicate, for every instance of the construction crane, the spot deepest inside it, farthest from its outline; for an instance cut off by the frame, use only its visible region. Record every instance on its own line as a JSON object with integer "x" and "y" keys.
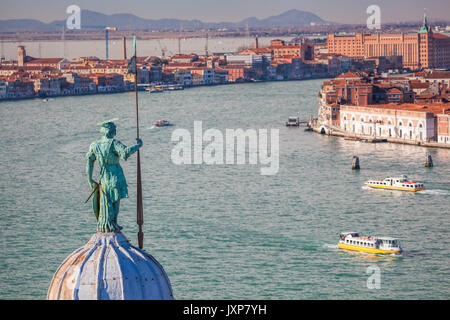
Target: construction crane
{"x": 163, "y": 50}
{"x": 206, "y": 45}
{"x": 2, "y": 55}
{"x": 179, "y": 40}
{"x": 107, "y": 29}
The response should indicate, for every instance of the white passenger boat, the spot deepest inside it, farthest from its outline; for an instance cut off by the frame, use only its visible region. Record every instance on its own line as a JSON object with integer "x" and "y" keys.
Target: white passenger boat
{"x": 383, "y": 245}
{"x": 293, "y": 122}
{"x": 402, "y": 184}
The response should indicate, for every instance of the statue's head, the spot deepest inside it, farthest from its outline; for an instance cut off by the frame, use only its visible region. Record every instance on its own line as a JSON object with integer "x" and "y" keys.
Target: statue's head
{"x": 108, "y": 129}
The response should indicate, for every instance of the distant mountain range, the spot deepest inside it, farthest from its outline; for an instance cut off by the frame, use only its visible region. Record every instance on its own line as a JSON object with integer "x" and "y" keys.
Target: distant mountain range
{"x": 125, "y": 21}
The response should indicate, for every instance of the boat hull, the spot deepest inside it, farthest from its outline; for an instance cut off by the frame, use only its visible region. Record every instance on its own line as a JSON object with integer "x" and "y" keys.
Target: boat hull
{"x": 394, "y": 188}
{"x": 367, "y": 250}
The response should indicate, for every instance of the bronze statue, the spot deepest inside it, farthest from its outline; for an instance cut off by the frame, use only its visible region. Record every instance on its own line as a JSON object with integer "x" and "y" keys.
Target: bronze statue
{"x": 112, "y": 186}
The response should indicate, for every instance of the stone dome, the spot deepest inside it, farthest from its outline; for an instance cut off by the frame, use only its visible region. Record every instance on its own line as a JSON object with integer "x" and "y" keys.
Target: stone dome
{"x": 108, "y": 267}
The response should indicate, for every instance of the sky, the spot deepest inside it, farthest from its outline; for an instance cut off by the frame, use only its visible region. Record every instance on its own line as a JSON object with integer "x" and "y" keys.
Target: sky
{"x": 342, "y": 11}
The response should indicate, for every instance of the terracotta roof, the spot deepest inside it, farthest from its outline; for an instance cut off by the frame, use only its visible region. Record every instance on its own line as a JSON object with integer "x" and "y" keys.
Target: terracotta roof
{"x": 349, "y": 75}
{"x": 438, "y": 75}
{"x": 44, "y": 61}
{"x": 440, "y": 36}
{"x": 183, "y": 56}
{"x": 435, "y": 108}
{"x": 258, "y": 50}
{"x": 419, "y": 84}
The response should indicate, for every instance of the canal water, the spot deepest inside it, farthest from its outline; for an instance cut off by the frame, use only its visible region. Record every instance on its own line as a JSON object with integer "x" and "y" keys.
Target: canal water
{"x": 223, "y": 231}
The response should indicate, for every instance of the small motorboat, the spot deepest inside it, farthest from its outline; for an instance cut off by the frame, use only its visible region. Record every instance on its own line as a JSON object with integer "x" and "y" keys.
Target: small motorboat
{"x": 154, "y": 90}
{"x": 162, "y": 123}
{"x": 401, "y": 184}
{"x": 383, "y": 245}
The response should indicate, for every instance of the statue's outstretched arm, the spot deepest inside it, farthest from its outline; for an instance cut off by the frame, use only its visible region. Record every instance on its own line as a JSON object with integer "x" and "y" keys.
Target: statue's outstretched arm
{"x": 124, "y": 151}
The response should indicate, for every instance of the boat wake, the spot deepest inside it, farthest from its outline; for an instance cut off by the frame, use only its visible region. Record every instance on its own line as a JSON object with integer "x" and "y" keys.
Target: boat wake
{"x": 416, "y": 254}
{"x": 438, "y": 192}
{"x": 330, "y": 246}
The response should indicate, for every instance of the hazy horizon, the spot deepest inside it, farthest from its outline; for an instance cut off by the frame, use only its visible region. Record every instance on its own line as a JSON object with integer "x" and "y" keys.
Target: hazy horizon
{"x": 344, "y": 11}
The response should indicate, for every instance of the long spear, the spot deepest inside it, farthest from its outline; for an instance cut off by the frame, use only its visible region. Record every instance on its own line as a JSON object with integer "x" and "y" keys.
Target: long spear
{"x": 139, "y": 207}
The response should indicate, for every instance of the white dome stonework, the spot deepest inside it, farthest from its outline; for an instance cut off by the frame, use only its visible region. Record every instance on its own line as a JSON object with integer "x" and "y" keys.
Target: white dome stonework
{"x": 108, "y": 267}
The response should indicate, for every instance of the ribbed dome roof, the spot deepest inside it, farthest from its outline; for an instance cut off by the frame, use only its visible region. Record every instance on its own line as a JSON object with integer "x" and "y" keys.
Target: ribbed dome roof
{"x": 108, "y": 267}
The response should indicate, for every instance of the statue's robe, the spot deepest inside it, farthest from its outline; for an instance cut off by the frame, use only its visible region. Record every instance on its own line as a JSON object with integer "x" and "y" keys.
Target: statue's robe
{"x": 113, "y": 185}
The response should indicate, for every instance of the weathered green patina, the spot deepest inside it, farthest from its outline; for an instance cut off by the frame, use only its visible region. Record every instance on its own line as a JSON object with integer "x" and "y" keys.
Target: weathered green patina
{"x": 112, "y": 186}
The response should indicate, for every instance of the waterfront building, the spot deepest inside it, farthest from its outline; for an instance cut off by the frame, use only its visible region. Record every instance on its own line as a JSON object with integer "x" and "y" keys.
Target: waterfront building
{"x": 220, "y": 76}
{"x": 443, "y": 124}
{"x": 3, "y": 89}
{"x": 271, "y": 72}
{"x": 16, "y": 88}
{"x": 167, "y": 76}
{"x": 384, "y": 107}
{"x": 206, "y": 76}
{"x": 143, "y": 75}
{"x": 289, "y": 67}
{"x": 183, "y": 77}
{"x": 108, "y": 82}
{"x": 314, "y": 69}
{"x": 236, "y": 73}
{"x": 424, "y": 49}
{"x": 80, "y": 84}
{"x": 410, "y": 122}
{"x": 42, "y": 86}
{"x": 155, "y": 73}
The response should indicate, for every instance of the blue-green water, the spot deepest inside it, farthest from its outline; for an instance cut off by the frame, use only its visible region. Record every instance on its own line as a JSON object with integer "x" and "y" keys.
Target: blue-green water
{"x": 223, "y": 231}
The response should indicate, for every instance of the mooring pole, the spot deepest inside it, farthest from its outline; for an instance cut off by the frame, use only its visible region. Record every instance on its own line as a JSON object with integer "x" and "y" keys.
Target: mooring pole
{"x": 355, "y": 163}
{"x": 429, "y": 161}
{"x": 139, "y": 206}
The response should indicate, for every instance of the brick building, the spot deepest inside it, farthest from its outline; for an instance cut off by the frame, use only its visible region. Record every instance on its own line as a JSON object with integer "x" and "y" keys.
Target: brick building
{"x": 424, "y": 49}
{"x": 405, "y": 121}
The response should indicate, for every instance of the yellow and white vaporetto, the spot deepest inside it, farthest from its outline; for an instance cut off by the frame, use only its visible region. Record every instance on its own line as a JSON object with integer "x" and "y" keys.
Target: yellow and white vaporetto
{"x": 384, "y": 245}
{"x": 401, "y": 184}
